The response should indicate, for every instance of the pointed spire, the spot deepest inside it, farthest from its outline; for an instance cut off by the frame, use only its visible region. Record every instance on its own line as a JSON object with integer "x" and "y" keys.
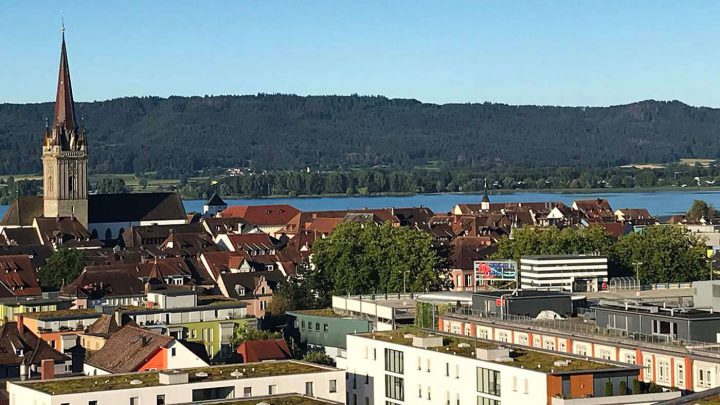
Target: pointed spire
{"x": 486, "y": 198}
{"x": 64, "y": 120}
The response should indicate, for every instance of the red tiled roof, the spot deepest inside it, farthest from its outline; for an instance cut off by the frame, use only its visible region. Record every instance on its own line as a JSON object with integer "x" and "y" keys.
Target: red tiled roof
{"x": 18, "y": 275}
{"x": 261, "y": 350}
{"x": 128, "y": 349}
{"x": 279, "y": 214}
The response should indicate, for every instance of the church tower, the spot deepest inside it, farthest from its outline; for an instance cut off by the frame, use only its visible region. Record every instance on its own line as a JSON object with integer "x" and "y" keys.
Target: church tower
{"x": 64, "y": 155}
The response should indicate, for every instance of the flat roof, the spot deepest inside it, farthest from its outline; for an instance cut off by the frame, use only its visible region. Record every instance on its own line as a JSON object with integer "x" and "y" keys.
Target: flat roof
{"x": 77, "y": 385}
{"x": 523, "y": 294}
{"x": 689, "y": 313}
{"x": 561, "y": 257}
{"x": 323, "y": 312}
{"x": 62, "y": 314}
{"x": 530, "y": 359}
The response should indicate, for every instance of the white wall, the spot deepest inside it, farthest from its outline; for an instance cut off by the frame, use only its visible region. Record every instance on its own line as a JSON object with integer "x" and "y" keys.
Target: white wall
{"x": 366, "y": 356}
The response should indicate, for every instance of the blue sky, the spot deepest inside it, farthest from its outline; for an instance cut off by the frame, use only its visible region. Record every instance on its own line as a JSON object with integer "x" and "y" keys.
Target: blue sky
{"x": 518, "y": 52}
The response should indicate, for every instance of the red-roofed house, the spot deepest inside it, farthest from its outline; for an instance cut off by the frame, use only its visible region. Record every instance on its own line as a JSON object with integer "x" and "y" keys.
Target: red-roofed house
{"x": 252, "y": 351}
{"x": 251, "y": 244}
{"x": 18, "y": 277}
{"x": 268, "y": 218}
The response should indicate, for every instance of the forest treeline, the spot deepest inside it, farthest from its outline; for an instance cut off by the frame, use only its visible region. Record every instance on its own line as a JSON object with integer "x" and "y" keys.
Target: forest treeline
{"x": 182, "y": 135}
{"x": 375, "y": 181}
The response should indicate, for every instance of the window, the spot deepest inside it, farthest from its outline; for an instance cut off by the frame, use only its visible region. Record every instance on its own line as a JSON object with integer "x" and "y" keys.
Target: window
{"x": 272, "y": 389}
{"x": 309, "y": 388}
{"x": 367, "y": 379}
{"x": 680, "y": 374}
{"x": 302, "y": 324}
{"x": 428, "y": 392}
{"x": 333, "y": 386}
{"x": 663, "y": 370}
{"x": 549, "y": 345}
{"x": 487, "y": 401}
{"x": 159, "y": 401}
{"x": 247, "y": 392}
{"x": 173, "y": 352}
{"x": 325, "y": 327}
{"x": 514, "y": 383}
{"x": 447, "y": 369}
{"x": 664, "y": 327}
{"x": 648, "y": 368}
{"x": 488, "y": 381}
{"x": 134, "y": 401}
{"x": 630, "y": 358}
{"x": 317, "y": 326}
{"x": 367, "y": 400}
{"x": 94, "y": 402}
{"x": 704, "y": 378}
{"x": 394, "y": 387}
{"x": 419, "y": 390}
{"x": 394, "y": 361}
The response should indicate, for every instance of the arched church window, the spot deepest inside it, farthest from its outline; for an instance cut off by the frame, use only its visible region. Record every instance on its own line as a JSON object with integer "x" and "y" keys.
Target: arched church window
{"x": 50, "y": 183}
{"x": 122, "y": 231}
{"x": 94, "y": 234}
{"x": 108, "y": 234}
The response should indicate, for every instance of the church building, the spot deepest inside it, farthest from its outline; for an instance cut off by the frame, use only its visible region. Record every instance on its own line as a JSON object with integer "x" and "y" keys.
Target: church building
{"x": 65, "y": 181}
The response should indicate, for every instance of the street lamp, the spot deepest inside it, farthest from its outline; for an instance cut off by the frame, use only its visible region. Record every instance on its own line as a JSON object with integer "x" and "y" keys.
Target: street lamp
{"x": 637, "y": 273}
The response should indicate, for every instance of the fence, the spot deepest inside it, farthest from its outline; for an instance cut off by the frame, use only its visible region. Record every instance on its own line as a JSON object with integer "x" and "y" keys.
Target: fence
{"x": 632, "y": 283}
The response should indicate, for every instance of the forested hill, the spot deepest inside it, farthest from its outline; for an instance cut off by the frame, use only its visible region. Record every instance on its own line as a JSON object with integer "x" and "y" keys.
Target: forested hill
{"x": 285, "y": 131}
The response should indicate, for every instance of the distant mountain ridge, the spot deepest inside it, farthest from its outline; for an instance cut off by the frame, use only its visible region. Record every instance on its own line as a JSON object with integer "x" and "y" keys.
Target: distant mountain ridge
{"x": 136, "y": 134}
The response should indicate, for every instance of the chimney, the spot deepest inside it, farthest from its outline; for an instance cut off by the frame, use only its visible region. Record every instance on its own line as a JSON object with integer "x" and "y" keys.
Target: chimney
{"x": 118, "y": 318}
{"x": 20, "y": 324}
{"x": 47, "y": 369}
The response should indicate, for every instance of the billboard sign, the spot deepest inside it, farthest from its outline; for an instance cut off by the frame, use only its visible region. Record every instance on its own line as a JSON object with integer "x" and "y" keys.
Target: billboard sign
{"x": 504, "y": 270}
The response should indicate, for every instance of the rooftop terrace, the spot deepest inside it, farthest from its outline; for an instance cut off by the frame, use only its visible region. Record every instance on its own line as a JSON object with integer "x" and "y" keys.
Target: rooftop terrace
{"x": 274, "y": 400}
{"x": 530, "y": 359}
{"x": 78, "y": 385}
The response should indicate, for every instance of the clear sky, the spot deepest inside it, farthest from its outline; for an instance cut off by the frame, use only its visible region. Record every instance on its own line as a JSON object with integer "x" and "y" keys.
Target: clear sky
{"x": 518, "y": 52}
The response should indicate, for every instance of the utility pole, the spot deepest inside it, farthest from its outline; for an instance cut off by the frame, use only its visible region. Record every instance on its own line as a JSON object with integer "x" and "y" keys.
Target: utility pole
{"x": 637, "y": 273}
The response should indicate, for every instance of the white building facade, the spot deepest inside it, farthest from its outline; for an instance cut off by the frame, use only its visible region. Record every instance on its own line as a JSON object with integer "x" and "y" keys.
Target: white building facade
{"x": 564, "y": 272}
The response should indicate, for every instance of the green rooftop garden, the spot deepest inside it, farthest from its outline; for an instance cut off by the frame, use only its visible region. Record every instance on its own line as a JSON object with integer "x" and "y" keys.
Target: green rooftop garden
{"x": 530, "y": 359}
{"x": 326, "y": 312}
{"x": 61, "y": 313}
{"x": 151, "y": 379}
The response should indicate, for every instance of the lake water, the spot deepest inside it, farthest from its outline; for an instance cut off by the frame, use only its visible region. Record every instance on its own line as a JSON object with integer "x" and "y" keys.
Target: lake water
{"x": 659, "y": 203}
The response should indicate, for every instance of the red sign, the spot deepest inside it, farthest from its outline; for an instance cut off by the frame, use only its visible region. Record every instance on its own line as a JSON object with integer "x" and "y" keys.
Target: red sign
{"x": 498, "y": 302}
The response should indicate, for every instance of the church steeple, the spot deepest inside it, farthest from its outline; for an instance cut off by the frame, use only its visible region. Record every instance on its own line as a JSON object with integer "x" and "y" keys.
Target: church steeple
{"x": 485, "y": 203}
{"x": 65, "y": 185}
{"x": 65, "y": 132}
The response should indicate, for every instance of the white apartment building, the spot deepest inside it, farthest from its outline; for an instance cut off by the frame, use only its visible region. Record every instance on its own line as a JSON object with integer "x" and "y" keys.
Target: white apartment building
{"x": 237, "y": 381}
{"x": 392, "y": 368}
{"x": 564, "y": 272}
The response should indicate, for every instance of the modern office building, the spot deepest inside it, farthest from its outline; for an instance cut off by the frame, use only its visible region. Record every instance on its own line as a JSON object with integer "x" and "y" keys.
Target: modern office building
{"x": 323, "y": 329}
{"x": 398, "y": 367}
{"x": 385, "y": 311}
{"x": 668, "y": 363}
{"x": 564, "y": 272}
{"x": 658, "y": 320}
{"x": 230, "y": 382}
{"x": 522, "y": 303}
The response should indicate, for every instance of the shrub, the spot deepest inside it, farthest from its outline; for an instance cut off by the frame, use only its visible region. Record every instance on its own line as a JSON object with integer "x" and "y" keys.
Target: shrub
{"x": 623, "y": 388}
{"x": 608, "y": 389}
{"x": 636, "y": 387}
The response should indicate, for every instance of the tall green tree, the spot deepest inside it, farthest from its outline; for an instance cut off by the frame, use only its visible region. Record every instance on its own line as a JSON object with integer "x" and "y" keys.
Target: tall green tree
{"x": 363, "y": 258}
{"x": 664, "y": 253}
{"x": 701, "y": 209}
{"x": 63, "y": 266}
{"x": 554, "y": 241}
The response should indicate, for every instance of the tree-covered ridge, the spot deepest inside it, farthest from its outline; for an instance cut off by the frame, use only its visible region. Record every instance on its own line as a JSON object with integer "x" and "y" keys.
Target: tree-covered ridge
{"x": 135, "y": 135}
